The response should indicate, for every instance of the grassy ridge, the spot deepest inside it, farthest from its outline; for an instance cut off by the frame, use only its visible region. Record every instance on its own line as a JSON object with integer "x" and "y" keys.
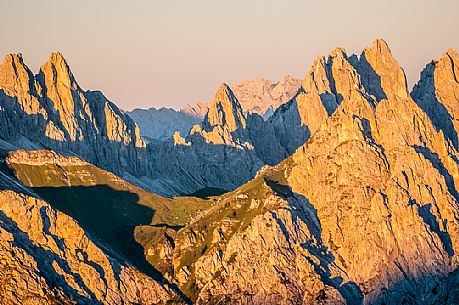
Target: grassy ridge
{"x": 119, "y": 215}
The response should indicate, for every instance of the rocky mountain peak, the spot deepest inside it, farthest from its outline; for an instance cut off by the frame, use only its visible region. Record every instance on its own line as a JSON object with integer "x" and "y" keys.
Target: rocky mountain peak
{"x": 452, "y": 53}
{"x": 13, "y": 58}
{"x": 380, "y": 72}
{"x": 63, "y": 93}
{"x": 226, "y": 110}
{"x": 13, "y": 71}
{"x": 69, "y": 118}
{"x": 16, "y": 80}
{"x": 333, "y": 78}
{"x": 316, "y": 78}
{"x": 380, "y": 45}
{"x": 58, "y": 71}
{"x": 450, "y": 59}
{"x": 338, "y": 52}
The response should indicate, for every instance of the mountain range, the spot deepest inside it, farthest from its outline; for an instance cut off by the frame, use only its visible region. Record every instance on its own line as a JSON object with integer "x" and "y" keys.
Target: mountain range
{"x": 346, "y": 194}
{"x": 255, "y": 96}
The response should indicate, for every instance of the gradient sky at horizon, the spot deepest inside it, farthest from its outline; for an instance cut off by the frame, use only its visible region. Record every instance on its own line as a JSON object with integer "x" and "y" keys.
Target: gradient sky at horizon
{"x": 169, "y": 53}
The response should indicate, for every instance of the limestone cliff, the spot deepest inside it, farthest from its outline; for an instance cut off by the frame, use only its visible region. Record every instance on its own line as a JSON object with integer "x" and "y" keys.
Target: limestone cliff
{"x": 365, "y": 212}
{"x": 374, "y": 77}
{"x": 327, "y": 82}
{"x": 332, "y": 79}
{"x": 225, "y": 110}
{"x": 51, "y": 110}
{"x": 207, "y": 156}
{"x": 46, "y": 258}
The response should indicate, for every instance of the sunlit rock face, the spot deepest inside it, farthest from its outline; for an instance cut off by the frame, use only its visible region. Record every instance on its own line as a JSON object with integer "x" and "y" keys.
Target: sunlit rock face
{"x": 51, "y": 110}
{"x": 365, "y": 212}
{"x": 47, "y": 258}
{"x": 225, "y": 110}
{"x": 374, "y": 75}
{"x": 363, "y": 207}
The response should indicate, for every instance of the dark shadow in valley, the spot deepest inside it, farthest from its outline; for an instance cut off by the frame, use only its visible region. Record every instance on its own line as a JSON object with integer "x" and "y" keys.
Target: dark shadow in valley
{"x": 108, "y": 215}
{"x": 207, "y": 192}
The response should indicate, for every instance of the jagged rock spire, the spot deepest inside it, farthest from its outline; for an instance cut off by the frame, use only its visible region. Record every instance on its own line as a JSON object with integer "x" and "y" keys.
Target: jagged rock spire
{"x": 16, "y": 80}
{"x": 381, "y": 75}
{"x": 63, "y": 94}
{"x": 226, "y": 110}
{"x": 57, "y": 71}
{"x": 65, "y": 117}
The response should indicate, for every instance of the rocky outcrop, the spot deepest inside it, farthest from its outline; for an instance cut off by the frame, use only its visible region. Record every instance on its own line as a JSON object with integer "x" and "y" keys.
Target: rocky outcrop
{"x": 51, "y": 110}
{"x": 365, "y": 212}
{"x": 379, "y": 72}
{"x": 18, "y": 81}
{"x": 332, "y": 79}
{"x": 48, "y": 259}
{"x": 225, "y": 110}
{"x": 206, "y": 156}
{"x": 326, "y": 84}
{"x": 43, "y": 158}
{"x": 437, "y": 93}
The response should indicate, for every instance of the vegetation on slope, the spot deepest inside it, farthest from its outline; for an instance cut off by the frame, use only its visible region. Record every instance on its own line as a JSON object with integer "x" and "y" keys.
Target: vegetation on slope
{"x": 119, "y": 215}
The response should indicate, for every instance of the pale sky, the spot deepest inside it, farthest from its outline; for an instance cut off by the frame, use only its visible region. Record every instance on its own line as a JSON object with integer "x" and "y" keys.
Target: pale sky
{"x": 170, "y": 52}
